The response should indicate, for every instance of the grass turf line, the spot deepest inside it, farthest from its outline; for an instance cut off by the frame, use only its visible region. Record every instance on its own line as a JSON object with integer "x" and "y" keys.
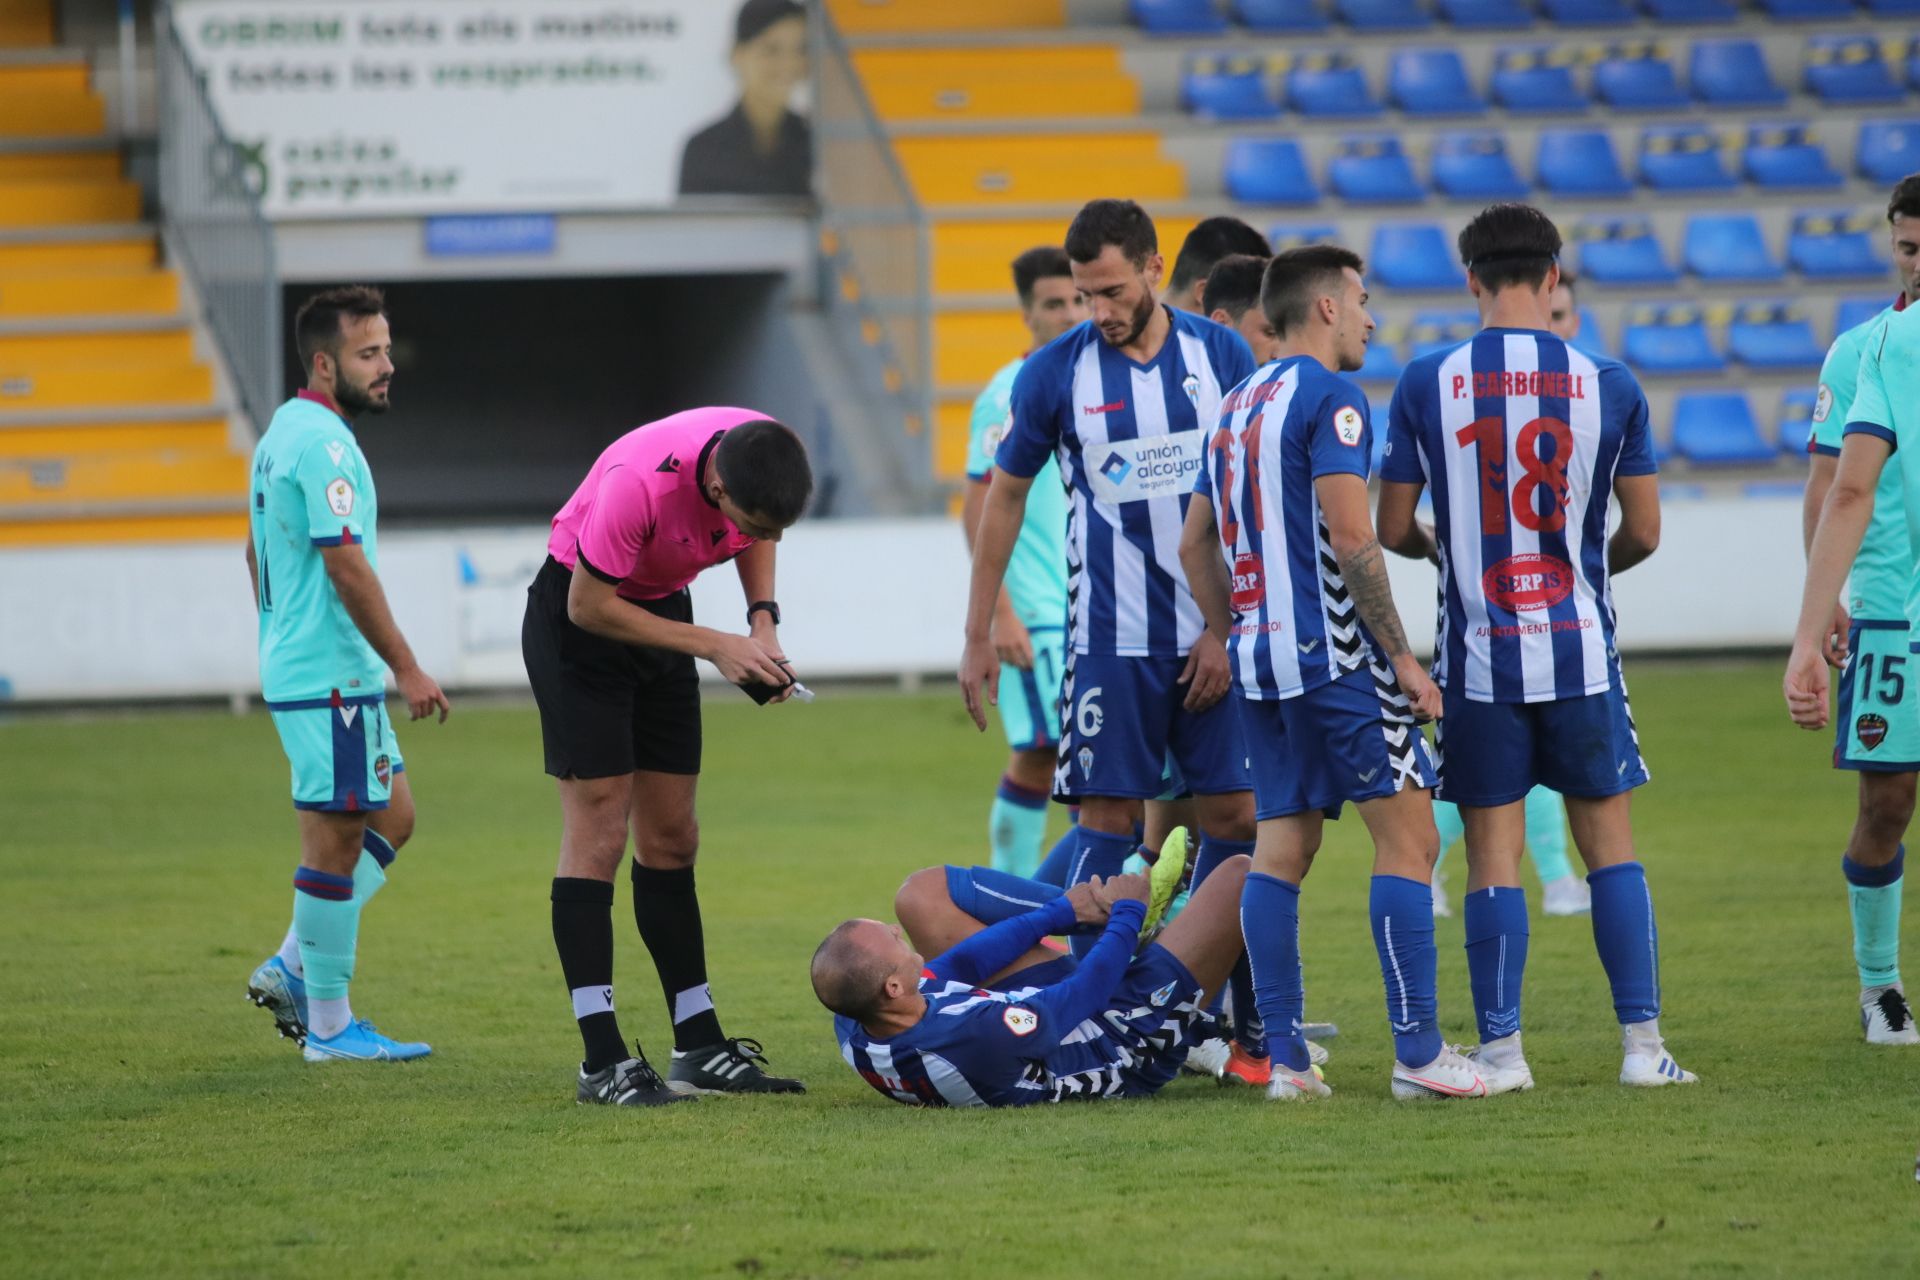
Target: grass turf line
{"x": 155, "y": 1125}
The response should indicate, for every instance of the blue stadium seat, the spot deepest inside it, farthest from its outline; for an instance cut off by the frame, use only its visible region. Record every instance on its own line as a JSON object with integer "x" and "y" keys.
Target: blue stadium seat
{"x": 1733, "y": 73}
{"x": 1913, "y": 61}
{"x": 1893, "y": 8}
{"x": 1796, "y": 419}
{"x": 1669, "y": 340}
{"x": 1834, "y": 246}
{"x": 1685, "y": 157}
{"x": 1851, "y": 69}
{"x": 1280, "y": 15}
{"x": 1773, "y": 335}
{"x": 1808, "y": 10}
{"x": 1432, "y": 82}
{"x": 1382, "y": 364}
{"x": 1787, "y": 155}
{"x": 1475, "y": 166}
{"x": 1854, "y": 312}
{"x": 1330, "y": 85}
{"x": 1374, "y": 169}
{"x": 1227, "y": 88}
{"x": 1621, "y": 251}
{"x": 1637, "y": 77}
{"x": 1440, "y": 330}
{"x": 1589, "y": 13}
{"x": 1580, "y": 162}
{"x": 1383, "y": 15}
{"x": 1691, "y": 11}
{"x": 1269, "y": 171}
{"x": 1716, "y": 428}
{"x": 1417, "y": 255}
{"x": 1728, "y": 246}
{"x": 1537, "y": 79}
{"x": 1291, "y": 235}
{"x": 1487, "y": 15}
{"x": 1888, "y": 150}
{"x": 1177, "y": 17}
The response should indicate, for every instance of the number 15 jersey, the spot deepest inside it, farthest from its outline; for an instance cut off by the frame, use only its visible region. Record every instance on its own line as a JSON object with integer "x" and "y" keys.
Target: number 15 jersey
{"x": 1520, "y": 436}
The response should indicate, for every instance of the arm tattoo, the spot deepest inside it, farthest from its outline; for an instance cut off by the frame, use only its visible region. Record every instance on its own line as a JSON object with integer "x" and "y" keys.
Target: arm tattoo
{"x": 1365, "y": 572}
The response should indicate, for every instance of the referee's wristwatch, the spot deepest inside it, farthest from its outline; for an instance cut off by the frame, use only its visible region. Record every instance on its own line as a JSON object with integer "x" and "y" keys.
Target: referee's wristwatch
{"x": 772, "y": 610}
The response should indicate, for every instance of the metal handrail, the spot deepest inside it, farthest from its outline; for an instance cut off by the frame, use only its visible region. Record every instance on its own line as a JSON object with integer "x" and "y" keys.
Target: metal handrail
{"x": 210, "y": 209}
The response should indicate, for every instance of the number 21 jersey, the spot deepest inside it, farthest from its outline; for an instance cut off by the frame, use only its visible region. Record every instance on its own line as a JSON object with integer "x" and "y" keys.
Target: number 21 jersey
{"x": 1520, "y": 436}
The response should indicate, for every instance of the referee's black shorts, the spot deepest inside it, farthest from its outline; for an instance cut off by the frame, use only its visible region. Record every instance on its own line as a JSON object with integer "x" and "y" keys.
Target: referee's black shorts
{"x": 607, "y": 708}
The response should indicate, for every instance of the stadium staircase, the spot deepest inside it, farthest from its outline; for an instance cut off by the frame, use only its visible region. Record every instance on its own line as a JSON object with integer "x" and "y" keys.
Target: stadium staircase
{"x": 111, "y": 427}
{"x": 1720, "y": 169}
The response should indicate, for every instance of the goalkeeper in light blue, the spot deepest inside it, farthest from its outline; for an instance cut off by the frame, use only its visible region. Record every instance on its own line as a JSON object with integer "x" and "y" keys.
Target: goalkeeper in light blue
{"x": 326, "y": 639}
{"x": 1029, "y": 624}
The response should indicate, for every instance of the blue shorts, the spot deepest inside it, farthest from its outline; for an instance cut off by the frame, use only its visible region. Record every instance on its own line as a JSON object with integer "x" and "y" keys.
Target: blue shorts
{"x": 1144, "y": 1034}
{"x": 1030, "y": 700}
{"x": 1493, "y": 753}
{"x": 1123, "y": 721}
{"x": 343, "y": 756}
{"x": 1350, "y": 739}
{"x": 1877, "y": 729}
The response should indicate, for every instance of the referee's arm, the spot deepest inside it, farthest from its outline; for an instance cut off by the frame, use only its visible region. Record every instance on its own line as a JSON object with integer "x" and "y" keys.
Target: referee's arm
{"x": 593, "y": 605}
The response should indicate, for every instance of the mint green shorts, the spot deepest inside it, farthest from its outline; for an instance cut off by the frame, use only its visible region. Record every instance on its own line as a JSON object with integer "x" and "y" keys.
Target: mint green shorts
{"x": 1877, "y": 729}
{"x": 344, "y": 756}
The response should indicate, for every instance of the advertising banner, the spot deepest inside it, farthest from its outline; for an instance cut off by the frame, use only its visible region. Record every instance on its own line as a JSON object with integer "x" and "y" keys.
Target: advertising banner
{"x": 368, "y": 107}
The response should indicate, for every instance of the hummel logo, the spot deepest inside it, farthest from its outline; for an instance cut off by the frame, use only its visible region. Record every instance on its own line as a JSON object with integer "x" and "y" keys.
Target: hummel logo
{"x": 1623, "y": 768}
{"x": 671, "y": 464}
{"x": 1404, "y": 1028}
{"x": 1368, "y": 775}
{"x": 1309, "y": 646}
{"x": 718, "y": 534}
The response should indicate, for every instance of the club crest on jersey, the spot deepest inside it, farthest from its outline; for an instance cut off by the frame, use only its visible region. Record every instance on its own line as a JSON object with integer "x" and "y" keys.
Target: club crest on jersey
{"x": 1191, "y": 385}
{"x": 1526, "y": 582}
{"x": 1159, "y": 998}
{"x": 1086, "y": 762}
{"x": 383, "y": 769}
{"x": 1348, "y": 426}
{"x": 1022, "y": 1022}
{"x": 340, "y": 497}
{"x": 1871, "y": 729}
{"x": 1823, "y": 403}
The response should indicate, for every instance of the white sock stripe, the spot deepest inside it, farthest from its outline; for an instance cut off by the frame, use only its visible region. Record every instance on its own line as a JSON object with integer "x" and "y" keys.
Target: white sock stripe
{"x": 692, "y": 1002}
{"x": 1386, "y": 923}
{"x": 588, "y": 1001}
{"x": 1007, "y": 897}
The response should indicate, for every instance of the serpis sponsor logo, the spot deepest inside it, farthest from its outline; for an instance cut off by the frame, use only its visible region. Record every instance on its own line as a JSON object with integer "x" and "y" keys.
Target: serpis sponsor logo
{"x": 1523, "y": 583}
{"x": 1249, "y": 582}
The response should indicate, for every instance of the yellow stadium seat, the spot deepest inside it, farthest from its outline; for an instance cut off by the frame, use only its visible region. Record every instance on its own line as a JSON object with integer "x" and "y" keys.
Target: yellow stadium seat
{"x": 59, "y": 166}
{"x": 107, "y": 436}
{"x": 24, "y": 354}
{"x": 1031, "y": 83}
{"x": 865, "y": 17}
{"x": 46, "y": 77}
{"x": 1025, "y": 169}
{"x": 970, "y": 346}
{"x": 950, "y": 422}
{"x": 94, "y": 530}
{"x": 26, "y": 24}
{"x": 61, "y": 202}
{"x": 973, "y": 256}
{"x": 93, "y": 293}
{"x": 70, "y": 388}
{"x": 74, "y": 257}
{"x": 212, "y": 476}
{"x": 28, "y": 113}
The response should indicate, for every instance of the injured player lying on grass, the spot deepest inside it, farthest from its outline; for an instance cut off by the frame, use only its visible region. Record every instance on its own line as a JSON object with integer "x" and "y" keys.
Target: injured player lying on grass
{"x": 998, "y": 1019}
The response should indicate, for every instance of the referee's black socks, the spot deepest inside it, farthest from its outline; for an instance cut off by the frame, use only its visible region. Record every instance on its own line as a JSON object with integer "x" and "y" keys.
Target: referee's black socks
{"x": 667, "y": 912}
{"x": 583, "y": 935}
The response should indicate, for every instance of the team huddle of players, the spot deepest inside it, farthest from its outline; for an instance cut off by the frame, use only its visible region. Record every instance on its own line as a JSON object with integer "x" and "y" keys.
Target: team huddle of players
{"x": 1229, "y": 631}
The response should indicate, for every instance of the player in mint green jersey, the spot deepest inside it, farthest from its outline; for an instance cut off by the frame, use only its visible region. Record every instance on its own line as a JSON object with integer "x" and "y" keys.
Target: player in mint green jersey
{"x": 1029, "y": 624}
{"x": 1877, "y": 728}
{"x": 326, "y": 640}
{"x": 1879, "y": 413}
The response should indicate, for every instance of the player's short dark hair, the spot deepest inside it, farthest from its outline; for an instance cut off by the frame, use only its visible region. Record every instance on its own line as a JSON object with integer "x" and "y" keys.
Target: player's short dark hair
{"x": 756, "y": 16}
{"x": 846, "y": 976}
{"x": 1905, "y": 201}
{"x": 1042, "y": 262}
{"x": 1296, "y": 277}
{"x": 765, "y": 468}
{"x": 1211, "y": 240}
{"x": 1510, "y": 243}
{"x": 318, "y": 323}
{"x": 1121, "y": 223}
{"x": 1234, "y": 284}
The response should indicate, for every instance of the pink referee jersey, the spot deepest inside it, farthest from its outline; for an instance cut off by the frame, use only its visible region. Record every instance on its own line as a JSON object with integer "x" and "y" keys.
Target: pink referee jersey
{"x": 641, "y": 518}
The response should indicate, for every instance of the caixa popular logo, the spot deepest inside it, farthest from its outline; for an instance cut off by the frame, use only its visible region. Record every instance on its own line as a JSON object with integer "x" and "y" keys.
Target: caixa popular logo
{"x": 1249, "y": 583}
{"x": 1524, "y": 583}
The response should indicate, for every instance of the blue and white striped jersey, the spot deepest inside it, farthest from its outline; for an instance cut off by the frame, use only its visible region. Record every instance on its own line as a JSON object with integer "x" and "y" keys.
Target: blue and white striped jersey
{"x": 1520, "y": 437}
{"x": 980, "y": 1047}
{"x": 1129, "y": 438}
{"x": 1294, "y": 624}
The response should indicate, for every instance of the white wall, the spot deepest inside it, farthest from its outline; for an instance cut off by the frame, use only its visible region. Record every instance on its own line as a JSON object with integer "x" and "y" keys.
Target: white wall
{"x": 861, "y": 598}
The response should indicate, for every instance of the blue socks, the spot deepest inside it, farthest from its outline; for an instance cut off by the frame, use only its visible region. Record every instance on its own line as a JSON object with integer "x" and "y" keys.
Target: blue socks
{"x": 1249, "y": 1026}
{"x": 1097, "y": 854}
{"x": 1873, "y": 897}
{"x": 1625, "y": 937}
{"x": 1270, "y": 921}
{"x": 1496, "y": 958}
{"x": 991, "y": 896}
{"x": 1058, "y": 864}
{"x": 1402, "y": 912}
{"x": 1016, "y": 826}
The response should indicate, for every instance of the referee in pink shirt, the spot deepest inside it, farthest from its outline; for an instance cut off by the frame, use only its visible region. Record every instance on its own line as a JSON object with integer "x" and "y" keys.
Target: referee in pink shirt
{"x": 609, "y": 641}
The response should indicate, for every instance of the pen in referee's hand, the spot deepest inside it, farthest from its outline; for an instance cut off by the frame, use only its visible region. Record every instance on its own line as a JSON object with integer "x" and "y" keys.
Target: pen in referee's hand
{"x": 800, "y": 692}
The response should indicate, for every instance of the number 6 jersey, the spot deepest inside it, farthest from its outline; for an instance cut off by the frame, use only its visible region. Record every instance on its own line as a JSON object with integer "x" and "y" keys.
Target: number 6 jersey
{"x": 1520, "y": 436}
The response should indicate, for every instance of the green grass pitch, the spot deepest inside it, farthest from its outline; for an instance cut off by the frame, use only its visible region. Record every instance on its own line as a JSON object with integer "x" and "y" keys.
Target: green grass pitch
{"x": 154, "y": 1125}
